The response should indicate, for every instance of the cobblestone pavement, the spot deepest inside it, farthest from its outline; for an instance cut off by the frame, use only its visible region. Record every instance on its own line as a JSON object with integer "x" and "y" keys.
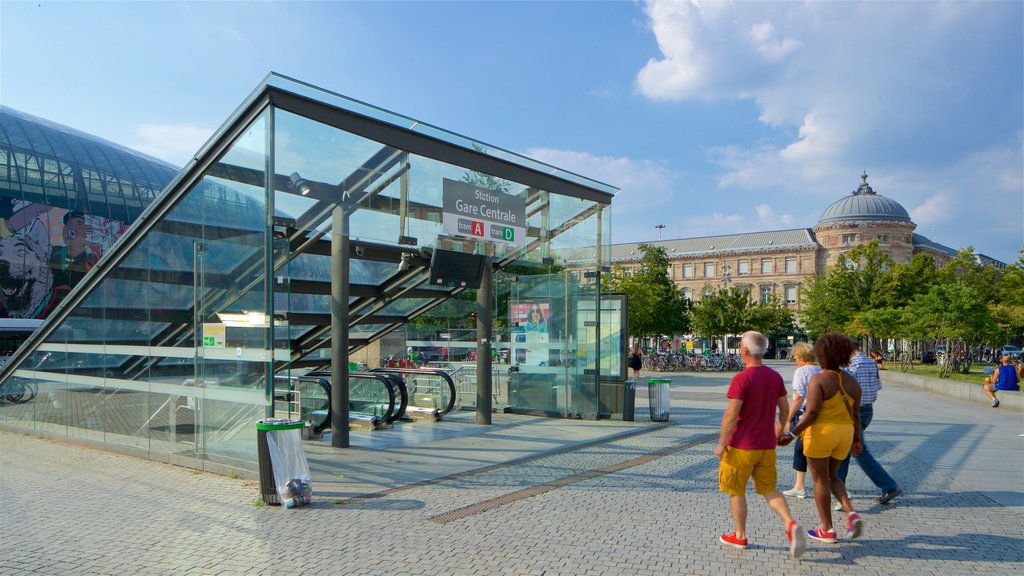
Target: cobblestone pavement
{"x": 642, "y": 504}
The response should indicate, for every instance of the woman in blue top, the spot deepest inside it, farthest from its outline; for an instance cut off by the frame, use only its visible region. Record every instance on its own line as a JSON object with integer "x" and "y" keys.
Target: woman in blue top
{"x": 1003, "y": 379}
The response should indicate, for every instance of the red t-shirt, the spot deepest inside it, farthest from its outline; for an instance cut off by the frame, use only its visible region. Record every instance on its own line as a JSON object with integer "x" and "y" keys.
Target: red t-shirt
{"x": 759, "y": 387}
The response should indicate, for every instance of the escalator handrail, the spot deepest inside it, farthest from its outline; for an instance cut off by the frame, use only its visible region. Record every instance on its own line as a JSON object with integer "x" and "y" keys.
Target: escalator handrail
{"x": 442, "y": 373}
{"x": 391, "y": 414}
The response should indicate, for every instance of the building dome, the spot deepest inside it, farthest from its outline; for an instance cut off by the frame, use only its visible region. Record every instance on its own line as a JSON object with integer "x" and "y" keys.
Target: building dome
{"x": 864, "y": 205}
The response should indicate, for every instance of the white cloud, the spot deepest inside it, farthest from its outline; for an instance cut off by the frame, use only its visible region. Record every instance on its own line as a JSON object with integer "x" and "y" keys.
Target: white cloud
{"x": 175, "y": 143}
{"x": 643, "y": 183}
{"x": 917, "y": 94}
{"x": 934, "y": 209}
{"x": 769, "y": 45}
{"x": 768, "y": 218}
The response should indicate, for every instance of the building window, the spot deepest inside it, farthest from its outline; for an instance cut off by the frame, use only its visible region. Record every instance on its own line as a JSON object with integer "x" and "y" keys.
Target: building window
{"x": 849, "y": 238}
{"x": 790, "y": 265}
{"x": 790, "y": 294}
{"x": 687, "y": 270}
{"x": 766, "y": 294}
{"x": 709, "y": 269}
{"x": 743, "y": 267}
{"x": 744, "y": 289}
{"x": 670, "y": 272}
{"x": 688, "y": 294}
{"x": 767, "y": 266}
{"x": 908, "y": 239}
{"x": 883, "y": 238}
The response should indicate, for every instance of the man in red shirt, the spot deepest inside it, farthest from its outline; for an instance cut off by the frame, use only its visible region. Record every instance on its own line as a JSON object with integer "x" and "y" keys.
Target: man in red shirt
{"x": 746, "y": 447}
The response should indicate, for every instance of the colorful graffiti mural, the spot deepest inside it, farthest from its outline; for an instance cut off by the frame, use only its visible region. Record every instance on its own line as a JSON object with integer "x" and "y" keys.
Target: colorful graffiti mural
{"x": 45, "y": 252}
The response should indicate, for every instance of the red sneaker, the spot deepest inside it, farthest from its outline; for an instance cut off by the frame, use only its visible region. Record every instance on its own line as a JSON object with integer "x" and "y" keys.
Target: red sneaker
{"x": 854, "y": 525}
{"x": 733, "y": 541}
{"x": 795, "y": 535}
{"x": 823, "y": 535}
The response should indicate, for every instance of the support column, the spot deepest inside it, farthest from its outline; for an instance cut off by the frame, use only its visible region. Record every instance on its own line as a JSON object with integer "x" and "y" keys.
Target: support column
{"x": 484, "y": 322}
{"x": 339, "y": 328}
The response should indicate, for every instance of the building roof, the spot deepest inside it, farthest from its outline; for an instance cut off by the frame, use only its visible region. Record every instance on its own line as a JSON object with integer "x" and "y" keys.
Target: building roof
{"x": 796, "y": 238}
{"x": 920, "y": 242}
{"x": 42, "y": 161}
{"x": 864, "y": 204}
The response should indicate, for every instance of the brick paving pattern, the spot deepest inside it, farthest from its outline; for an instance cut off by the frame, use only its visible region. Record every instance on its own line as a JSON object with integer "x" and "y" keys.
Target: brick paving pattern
{"x": 67, "y": 510}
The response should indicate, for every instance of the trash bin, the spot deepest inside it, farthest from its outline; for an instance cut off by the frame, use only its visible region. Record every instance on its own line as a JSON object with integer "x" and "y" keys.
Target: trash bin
{"x": 661, "y": 402}
{"x": 284, "y": 472}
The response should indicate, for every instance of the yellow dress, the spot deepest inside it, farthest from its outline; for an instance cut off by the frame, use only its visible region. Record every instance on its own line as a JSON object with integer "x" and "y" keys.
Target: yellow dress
{"x": 831, "y": 433}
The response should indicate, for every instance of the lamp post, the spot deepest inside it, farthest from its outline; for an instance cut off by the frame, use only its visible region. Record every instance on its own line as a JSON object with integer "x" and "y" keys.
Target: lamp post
{"x": 660, "y": 228}
{"x": 726, "y": 278}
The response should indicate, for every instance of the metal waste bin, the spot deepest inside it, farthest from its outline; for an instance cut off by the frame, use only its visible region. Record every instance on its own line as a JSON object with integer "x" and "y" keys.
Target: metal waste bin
{"x": 268, "y": 487}
{"x": 661, "y": 401}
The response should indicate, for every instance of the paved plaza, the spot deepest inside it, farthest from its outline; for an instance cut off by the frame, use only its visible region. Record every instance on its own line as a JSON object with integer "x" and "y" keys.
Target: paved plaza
{"x": 526, "y": 496}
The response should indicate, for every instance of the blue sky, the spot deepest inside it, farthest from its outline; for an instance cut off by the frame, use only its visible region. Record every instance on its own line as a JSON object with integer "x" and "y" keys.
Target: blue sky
{"x": 712, "y": 117}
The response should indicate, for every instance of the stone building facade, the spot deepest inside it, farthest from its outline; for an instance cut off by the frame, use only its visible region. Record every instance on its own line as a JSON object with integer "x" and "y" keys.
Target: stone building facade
{"x": 777, "y": 263}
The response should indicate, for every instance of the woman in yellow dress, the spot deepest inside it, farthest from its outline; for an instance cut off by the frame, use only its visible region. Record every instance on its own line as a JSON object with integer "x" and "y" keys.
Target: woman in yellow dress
{"x": 830, "y": 427}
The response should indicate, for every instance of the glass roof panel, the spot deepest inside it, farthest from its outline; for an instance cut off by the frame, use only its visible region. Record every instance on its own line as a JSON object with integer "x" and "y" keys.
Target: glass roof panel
{"x": 301, "y": 88}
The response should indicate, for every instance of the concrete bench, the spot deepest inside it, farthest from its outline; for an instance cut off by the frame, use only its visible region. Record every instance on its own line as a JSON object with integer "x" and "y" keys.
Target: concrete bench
{"x": 1008, "y": 399}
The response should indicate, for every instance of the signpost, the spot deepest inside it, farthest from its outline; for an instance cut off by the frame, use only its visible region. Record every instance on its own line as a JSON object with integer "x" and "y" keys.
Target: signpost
{"x": 480, "y": 213}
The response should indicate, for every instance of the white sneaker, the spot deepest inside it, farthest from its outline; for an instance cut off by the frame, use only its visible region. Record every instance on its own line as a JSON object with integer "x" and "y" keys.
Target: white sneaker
{"x": 798, "y": 492}
{"x": 838, "y": 506}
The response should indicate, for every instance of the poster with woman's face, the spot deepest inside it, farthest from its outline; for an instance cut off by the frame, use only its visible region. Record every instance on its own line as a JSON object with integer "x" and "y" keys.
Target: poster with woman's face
{"x": 530, "y": 332}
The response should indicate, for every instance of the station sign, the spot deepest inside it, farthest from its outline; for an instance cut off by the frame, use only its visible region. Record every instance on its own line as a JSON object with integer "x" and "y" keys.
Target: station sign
{"x": 483, "y": 214}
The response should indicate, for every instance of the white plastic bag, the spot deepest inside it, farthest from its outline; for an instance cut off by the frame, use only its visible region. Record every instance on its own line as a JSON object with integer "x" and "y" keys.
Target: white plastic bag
{"x": 291, "y": 471}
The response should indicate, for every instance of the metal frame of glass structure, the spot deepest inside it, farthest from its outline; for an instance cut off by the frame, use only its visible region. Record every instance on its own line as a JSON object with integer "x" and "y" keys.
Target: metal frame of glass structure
{"x": 170, "y": 345}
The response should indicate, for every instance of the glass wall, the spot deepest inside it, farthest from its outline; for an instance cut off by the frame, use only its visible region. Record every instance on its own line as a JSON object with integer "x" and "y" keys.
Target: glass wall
{"x": 168, "y": 354}
{"x": 169, "y": 346}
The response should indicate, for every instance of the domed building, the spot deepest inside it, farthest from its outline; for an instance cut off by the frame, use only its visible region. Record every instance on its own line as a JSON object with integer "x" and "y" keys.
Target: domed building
{"x": 864, "y": 216}
{"x": 777, "y": 263}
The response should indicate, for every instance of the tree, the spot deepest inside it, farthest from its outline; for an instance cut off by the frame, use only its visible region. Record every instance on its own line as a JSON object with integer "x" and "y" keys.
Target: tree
{"x": 656, "y": 306}
{"x": 952, "y": 311}
{"x": 770, "y": 318}
{"x": 721, "y": 312}
{"x": 898, "y": 286}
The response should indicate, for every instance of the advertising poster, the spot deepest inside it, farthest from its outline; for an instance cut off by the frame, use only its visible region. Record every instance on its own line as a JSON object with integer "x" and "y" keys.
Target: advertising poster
{"x": 530, "y": 332}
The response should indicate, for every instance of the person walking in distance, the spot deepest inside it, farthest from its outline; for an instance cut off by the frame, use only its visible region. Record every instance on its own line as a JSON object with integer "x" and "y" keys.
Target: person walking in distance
{"x": 865, "y": 371}
{"x": 747, "y": 442}
{"x": 636, "y": 361}
{"x": 829, "y": 429}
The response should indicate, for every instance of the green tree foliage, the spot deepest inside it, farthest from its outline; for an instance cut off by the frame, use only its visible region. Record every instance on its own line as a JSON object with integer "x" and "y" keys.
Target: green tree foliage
{"x": 1008, "y": 305}
{"x": 721, "y": 312}
{"x": 770, "y": 318}
{"x": 865, "y": 294}
{"x": 898, "y": 286}
{"x": 730, "y": 311}
{"x": 656, "y": 306}
{"x": 952, "y": 311}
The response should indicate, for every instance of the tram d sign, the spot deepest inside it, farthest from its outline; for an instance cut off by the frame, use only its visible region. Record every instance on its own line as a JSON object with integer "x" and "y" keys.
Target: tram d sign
{"x": 483, "y": 214}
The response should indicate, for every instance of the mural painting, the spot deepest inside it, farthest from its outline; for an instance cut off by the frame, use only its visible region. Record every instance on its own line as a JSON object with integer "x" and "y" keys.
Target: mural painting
{"x": 45, "y": 252}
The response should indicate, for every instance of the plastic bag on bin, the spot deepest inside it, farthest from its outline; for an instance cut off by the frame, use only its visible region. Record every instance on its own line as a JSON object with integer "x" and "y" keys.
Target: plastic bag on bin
{"x": 291, "y": 471}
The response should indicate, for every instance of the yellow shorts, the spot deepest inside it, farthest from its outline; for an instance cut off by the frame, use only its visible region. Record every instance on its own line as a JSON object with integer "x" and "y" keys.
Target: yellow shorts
{"x": 738, "y": 465}
{"x": 828, "y": 441}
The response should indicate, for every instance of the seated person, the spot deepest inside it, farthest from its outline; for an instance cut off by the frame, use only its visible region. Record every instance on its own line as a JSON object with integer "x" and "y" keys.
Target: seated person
{"x": 1005, "y": 378}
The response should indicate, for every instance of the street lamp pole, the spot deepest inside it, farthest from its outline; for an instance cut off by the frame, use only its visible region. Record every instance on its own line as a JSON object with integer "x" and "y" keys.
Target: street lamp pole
{"x": 660, "y": 228}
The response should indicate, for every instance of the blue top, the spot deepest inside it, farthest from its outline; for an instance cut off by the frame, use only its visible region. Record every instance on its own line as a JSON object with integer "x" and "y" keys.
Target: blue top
{"x": 1007, "y": 379}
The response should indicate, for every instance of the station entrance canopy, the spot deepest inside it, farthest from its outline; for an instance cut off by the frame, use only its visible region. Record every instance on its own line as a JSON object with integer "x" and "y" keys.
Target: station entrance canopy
{"x": 224, "y": 281}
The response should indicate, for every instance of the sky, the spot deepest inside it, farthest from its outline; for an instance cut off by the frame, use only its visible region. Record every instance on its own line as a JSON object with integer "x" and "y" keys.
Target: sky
{"x": 711, "y": 117}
